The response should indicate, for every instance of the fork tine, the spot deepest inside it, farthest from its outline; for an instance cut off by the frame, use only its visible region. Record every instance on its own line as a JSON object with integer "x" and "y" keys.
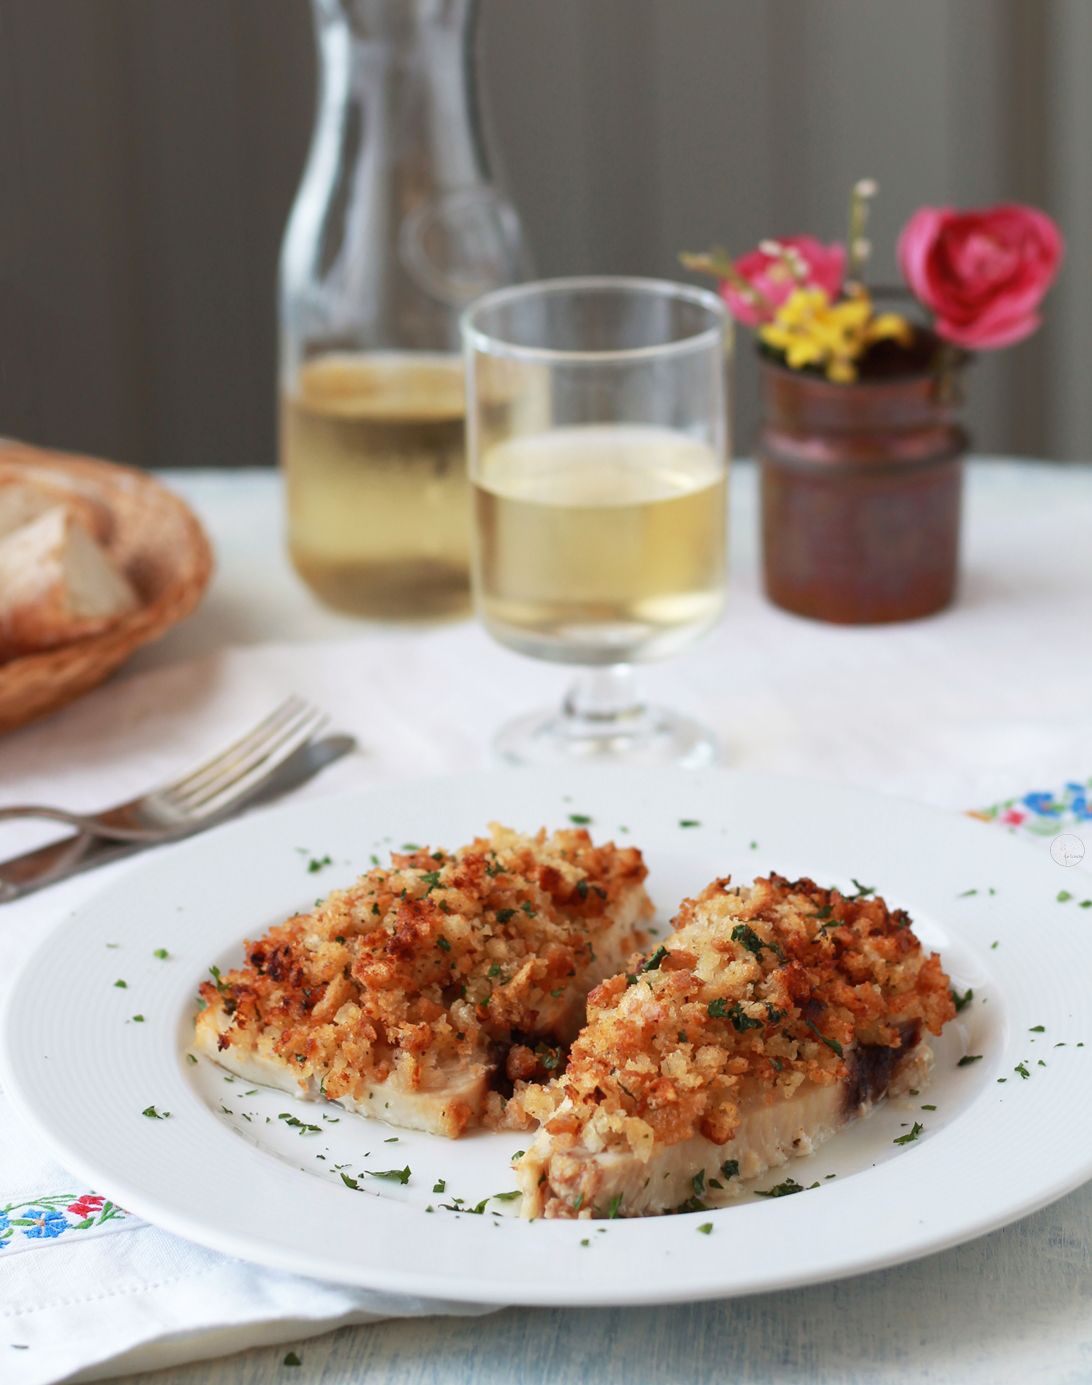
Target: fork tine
{"x": 239, "y": 758}
{"x": 236, "y": 779}
{"x": 270, "y": 726}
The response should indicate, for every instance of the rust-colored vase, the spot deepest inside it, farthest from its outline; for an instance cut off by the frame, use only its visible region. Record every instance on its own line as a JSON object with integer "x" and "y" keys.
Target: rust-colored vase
{"x": 861, "y": 493}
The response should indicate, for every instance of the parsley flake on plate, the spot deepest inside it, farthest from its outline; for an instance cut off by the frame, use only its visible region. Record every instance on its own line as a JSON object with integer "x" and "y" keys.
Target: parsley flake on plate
{"x": 391, "y": 1175}
{"x": 910, "y": 1135}
{"x": 785, "y": 1189}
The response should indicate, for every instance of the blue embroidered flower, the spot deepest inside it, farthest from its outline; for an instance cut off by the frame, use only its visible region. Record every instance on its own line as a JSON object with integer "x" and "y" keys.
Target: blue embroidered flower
{"x": 47, "y": 1222}
{"x": 1043, "y": 804}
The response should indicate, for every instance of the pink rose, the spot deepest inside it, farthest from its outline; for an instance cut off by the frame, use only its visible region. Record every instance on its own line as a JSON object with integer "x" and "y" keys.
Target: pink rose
{"x": 984, "y": 273}
{"x": 824, "y": 267}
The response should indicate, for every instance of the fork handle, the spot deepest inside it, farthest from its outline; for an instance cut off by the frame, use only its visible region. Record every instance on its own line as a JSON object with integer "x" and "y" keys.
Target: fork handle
{"x": 96, "y": 826}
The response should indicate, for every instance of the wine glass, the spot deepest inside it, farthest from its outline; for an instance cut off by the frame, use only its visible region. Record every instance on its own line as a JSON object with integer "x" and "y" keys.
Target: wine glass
{"x": 597, "y": 453}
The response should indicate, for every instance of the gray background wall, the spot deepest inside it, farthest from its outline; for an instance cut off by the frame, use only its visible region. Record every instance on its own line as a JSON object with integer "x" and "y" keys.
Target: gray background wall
{"x": 149, "y": 150}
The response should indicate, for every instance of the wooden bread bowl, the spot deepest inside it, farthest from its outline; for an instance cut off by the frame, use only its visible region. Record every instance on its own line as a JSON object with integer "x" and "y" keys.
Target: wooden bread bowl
{"x": 153, "y": 537}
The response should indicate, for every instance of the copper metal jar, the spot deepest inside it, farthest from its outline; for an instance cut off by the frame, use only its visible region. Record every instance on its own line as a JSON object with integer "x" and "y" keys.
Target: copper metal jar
{"x": 860, "y": 494}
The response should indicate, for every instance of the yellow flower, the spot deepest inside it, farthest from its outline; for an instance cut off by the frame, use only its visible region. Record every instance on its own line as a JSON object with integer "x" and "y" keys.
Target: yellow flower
{"x": 813, "y": 331}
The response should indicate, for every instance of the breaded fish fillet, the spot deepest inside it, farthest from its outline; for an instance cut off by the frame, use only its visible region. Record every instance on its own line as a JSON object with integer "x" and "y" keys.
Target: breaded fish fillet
{"x": 417, "y": 992}
{"x": 771, "y": 1017}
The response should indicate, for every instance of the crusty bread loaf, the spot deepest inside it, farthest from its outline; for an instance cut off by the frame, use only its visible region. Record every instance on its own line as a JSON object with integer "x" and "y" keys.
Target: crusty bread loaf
{"x": 56, "y": 584}
{"x": 27, "y": 497}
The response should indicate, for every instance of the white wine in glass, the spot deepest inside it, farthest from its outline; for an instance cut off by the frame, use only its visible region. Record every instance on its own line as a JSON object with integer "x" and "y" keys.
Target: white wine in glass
{"x": 598, "y": 460}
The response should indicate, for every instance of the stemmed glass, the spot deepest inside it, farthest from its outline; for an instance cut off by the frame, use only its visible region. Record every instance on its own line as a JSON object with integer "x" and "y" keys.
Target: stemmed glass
{"x": 597, "y": 451}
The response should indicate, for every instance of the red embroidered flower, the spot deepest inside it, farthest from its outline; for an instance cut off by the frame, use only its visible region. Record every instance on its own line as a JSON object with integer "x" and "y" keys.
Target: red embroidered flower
{"x": 87, "y": 1206}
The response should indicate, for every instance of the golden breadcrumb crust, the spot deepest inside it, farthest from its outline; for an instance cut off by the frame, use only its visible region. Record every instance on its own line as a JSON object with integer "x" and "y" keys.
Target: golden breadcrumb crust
{"x": 756, "y": 991}
{"x": 442, "y": 959}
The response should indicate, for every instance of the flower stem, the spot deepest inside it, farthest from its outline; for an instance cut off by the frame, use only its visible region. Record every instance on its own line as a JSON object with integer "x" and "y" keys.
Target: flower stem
{"x": 859, "y": 247}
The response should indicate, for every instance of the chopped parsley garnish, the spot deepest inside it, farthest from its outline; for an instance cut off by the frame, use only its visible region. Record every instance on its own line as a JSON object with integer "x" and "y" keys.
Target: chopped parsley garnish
{"x": 579, "y": 1203}
{"x": 138, "y": 1019}
{"x": 585, "y": 1243}
{"x": 297, "y": 1124}
{"x": 431, "y": 878}
{"x": 746, "y": 936}
{"x": 291, "y": 1359}
{"x": 615, "y": 1203}
{"x": 316, "y": 863}
{"x": 785, "y": 1189}
{"x": 863, "y": 891}
{"x": 717, "y": 1008}
{"x": 580, "y": 819}
{"x": 966, "y": 894}
{"x": 123, "y": 984}
{"x": 392, "y": 1141}
{"x": 443, "y": 944}
{"x": 153, "y": 1114}
{"x": 560, "y": 991}
{"x": 928, "y": 1108}
{"x": 1037, "y": 1029}
{"x": 909, "y": 1136}
{"x": 1064, "y": 896}
{"x": 754, "y": 846}
{"x": 830, "y": 1043}
{"x": 548, "y": 1057}
{"x": 392, "y": 1175}
{"x": 1021, "y": 1070}
{"x": 528, "y": 908}
{"x": 698, "y": 1183}
{"x": 705, "y": 1228}
{"x": 506, "y": 1197}
{"x": 653, "y": 963}
{"x": 410, "y": 846}
{"x": 968, "y": 1059}
{"x": 503, "y": 915}
{"x": 160, "y": 952}
{"x": 742, "y": 1021}
{"x": 191, "y": 1058}
{"x": 961, "y": 1001}
{"x": 689, "y": 822}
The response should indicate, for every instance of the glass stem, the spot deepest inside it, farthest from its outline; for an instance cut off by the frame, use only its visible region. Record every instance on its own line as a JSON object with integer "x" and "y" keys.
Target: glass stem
{"x": 604, "y": 701}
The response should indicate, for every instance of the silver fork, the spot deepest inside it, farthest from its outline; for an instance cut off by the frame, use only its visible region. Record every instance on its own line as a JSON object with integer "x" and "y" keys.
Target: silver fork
{"x": 206, "y": 793}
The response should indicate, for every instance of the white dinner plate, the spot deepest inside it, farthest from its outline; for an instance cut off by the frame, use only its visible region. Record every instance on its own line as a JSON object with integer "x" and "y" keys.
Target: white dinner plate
{"x": 227, "y": 1168}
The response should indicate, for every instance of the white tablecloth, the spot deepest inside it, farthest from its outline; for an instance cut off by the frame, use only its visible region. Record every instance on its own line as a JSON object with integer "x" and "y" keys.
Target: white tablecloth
{"x": 987, "y": 701}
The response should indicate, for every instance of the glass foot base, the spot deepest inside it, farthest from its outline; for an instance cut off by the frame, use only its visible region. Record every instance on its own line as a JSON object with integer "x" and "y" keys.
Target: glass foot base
{"x": 652, "y": 736}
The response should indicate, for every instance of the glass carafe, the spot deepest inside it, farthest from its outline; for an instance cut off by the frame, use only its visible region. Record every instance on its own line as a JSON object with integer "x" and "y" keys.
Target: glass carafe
{"x": 397, "y": 225}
